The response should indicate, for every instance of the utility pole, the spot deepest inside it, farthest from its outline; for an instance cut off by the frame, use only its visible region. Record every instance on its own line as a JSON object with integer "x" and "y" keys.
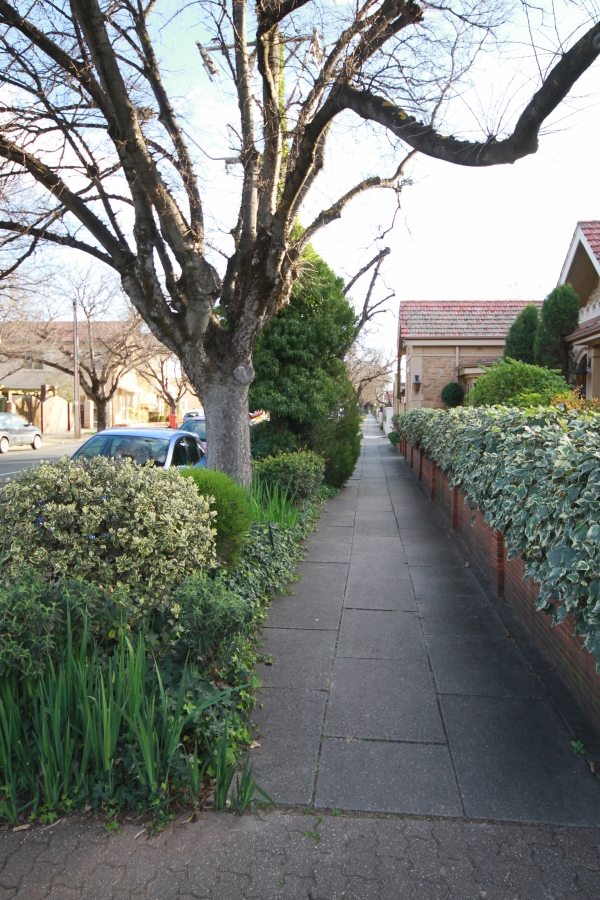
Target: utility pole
{"x": 76, "y": 403}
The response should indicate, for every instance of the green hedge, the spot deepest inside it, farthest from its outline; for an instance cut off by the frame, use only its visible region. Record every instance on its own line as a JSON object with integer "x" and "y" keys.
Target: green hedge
{"x": 300, "y": 474}
{"x": 535, "y": 475}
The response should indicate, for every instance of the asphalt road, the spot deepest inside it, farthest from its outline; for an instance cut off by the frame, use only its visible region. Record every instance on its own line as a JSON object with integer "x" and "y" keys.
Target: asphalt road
{"x": 21, "y": 457}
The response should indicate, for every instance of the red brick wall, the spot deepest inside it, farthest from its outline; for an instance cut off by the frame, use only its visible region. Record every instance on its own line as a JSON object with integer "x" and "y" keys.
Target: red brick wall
{"x": 559, "y": 643}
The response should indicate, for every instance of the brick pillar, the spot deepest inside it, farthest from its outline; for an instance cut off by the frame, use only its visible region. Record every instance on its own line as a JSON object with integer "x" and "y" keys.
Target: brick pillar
{"x": 433, "y": 473}
{"x": 412, "y": 456}
{"x": 420, "y": 465}
{"x": 499, "y": 561}
{"x": 455, "y": 498}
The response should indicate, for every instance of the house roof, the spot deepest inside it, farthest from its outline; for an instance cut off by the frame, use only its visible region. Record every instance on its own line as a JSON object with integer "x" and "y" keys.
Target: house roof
{"x": 581, "y": 267}
{"x": 459, "y": 319}
{"x": 591, "y": 231}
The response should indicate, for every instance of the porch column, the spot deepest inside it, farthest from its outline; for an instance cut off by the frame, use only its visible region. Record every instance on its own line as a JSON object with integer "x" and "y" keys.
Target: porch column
{"x": 594, "y": 376}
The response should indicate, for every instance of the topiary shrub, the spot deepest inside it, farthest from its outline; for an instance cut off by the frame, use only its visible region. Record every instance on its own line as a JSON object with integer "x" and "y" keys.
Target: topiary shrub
{"x": 394, "y": 438}
{"x": 232, "y": 506}
{"x": 301, "y": 474}
{"x": 112, "y": 522}
{"x": 453, "y": 394}
{"x": 512, "y": 383}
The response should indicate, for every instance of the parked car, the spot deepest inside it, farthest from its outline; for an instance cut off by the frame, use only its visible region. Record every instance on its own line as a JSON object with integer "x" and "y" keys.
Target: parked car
{"x": 197, "y": 426}
{"x": 16, "y": 430}
{"x": 193, "y": 414}
{"x": 142, "y": 445}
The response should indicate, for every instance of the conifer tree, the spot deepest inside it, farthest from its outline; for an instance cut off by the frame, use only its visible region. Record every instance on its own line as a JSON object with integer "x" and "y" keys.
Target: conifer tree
{"x": 559, "y": 317}
{"x": 521, "y": 335}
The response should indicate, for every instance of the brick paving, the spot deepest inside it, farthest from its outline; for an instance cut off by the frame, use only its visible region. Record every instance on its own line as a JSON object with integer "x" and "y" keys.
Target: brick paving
{"x": 411, "y": 747}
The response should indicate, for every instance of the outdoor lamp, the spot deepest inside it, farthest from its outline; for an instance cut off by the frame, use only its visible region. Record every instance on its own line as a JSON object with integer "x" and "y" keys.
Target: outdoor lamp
{"x": 417, "y": 384}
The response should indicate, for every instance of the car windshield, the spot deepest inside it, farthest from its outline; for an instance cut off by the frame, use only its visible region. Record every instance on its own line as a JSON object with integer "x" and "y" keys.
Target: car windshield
{"x": 116, "y": 446}
{"x": 197, "y": 426}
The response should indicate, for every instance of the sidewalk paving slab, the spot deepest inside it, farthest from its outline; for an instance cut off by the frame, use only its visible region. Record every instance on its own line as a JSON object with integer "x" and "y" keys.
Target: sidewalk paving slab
{"x": 387, "y": 777}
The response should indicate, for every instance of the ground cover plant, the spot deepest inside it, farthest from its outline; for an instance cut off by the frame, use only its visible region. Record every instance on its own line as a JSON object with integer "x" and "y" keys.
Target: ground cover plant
{"x": 133, "y": 693}
{"x": 535, "y": 475}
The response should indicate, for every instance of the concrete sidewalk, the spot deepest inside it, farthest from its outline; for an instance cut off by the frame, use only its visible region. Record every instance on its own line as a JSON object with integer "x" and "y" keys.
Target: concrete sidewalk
{"x": 399, "y": 688}
{"x": 418, "y": 738}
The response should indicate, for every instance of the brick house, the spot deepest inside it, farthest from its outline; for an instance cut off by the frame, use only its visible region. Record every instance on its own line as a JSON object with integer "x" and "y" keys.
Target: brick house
{"x": 581, "y": 269}
{"x": 447, "y": 341}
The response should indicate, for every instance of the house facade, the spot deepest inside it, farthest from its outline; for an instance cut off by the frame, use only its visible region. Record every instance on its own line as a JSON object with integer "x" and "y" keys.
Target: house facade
{"x": 32, "y": 386}
{"x": 581, "y": 269}
{"x": 444, "y": 341}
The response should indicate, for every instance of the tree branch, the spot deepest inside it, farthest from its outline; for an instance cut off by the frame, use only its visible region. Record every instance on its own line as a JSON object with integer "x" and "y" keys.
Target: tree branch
{"x": 376, "y": 260}
{"x": 522, "y": 142}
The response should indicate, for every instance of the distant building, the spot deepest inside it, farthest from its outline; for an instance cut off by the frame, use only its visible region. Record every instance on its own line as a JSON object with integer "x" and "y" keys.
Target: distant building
{"x": 581, "y": 269}
{"x": 447, "y": 341}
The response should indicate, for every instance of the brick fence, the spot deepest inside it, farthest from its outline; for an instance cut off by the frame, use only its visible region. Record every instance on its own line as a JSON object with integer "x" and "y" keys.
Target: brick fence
{"x": 560, "y": 644}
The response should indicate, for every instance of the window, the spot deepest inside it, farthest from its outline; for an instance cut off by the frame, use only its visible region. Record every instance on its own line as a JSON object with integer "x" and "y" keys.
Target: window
{"x": 193, "y": 451}
{"x": 180, "y": 453}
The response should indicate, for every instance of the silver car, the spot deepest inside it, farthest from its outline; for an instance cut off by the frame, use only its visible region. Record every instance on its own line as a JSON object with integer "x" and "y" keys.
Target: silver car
{"x": 160, "y": 446}
{"x": 16, "y": 430}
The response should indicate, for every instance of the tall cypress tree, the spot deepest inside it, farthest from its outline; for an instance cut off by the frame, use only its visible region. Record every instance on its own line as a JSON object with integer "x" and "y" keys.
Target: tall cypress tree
{"x": 559, "y": 317}
{"x": 521, "y": 335}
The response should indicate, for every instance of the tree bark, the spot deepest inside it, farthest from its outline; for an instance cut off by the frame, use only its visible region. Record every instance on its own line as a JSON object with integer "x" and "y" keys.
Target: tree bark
{"x": 102, "y": 409}
{"x": 225, "y": 401}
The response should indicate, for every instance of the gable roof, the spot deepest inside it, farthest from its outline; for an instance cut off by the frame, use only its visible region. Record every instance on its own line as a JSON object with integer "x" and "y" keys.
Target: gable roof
{"x": 459, "y": 319}
{"x": 581, "y": 268}
{"x": 591, "y": 231}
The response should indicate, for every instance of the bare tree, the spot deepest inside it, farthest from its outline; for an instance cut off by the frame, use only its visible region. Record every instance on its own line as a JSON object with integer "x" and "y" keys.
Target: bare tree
{"x": 108, "y": 347}
{"x": 102, "y": 156}
{"x": 164, "y": 371}
{"x": 370, "y": 371}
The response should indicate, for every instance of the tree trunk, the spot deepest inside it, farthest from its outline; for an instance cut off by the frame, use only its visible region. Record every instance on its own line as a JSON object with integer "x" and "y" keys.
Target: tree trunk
{"x": 102, "y": 408}
{"x": 172, "y": 407}
{"x": 225, "y": 401}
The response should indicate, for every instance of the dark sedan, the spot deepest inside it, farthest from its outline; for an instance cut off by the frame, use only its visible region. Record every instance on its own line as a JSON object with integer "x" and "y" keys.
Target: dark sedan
{"x": 142, "y": 445}
{"x": 16, "y": 430}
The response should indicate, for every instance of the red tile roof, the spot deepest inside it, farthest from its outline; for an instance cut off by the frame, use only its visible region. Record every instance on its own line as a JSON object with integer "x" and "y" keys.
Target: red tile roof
{"x": 591, "y": 231}
{"x": 459, "y": 319}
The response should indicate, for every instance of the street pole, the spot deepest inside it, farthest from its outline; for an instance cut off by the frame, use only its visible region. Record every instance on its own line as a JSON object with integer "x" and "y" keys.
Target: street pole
{"x": 76, "y": 403}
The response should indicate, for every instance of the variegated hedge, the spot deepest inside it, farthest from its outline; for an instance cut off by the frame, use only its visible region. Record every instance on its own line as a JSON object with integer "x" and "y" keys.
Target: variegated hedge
{"x": 535, "y": 475}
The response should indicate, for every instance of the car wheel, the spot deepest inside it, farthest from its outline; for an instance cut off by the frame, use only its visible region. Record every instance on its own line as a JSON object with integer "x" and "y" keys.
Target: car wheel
{"x": 4, "y": 445}
{"x": 36, "y": 442}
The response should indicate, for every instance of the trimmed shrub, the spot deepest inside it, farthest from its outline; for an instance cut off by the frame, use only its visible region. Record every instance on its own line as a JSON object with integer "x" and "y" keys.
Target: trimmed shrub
{"x": 558, "y": 318}
{"x": 535, "y": 476}
{"x": 513, "y": 383}
{"x": 300, "y": 474}
{"x": 272, "y": 438}
{"x": 521, "y": 335}
{"x": 112, "y": 522}
{"x": 338, "y": 441}
{"x": 394, "y": 438}
{"x": 453, "y": 394}
{"x": 232, "y": 506}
